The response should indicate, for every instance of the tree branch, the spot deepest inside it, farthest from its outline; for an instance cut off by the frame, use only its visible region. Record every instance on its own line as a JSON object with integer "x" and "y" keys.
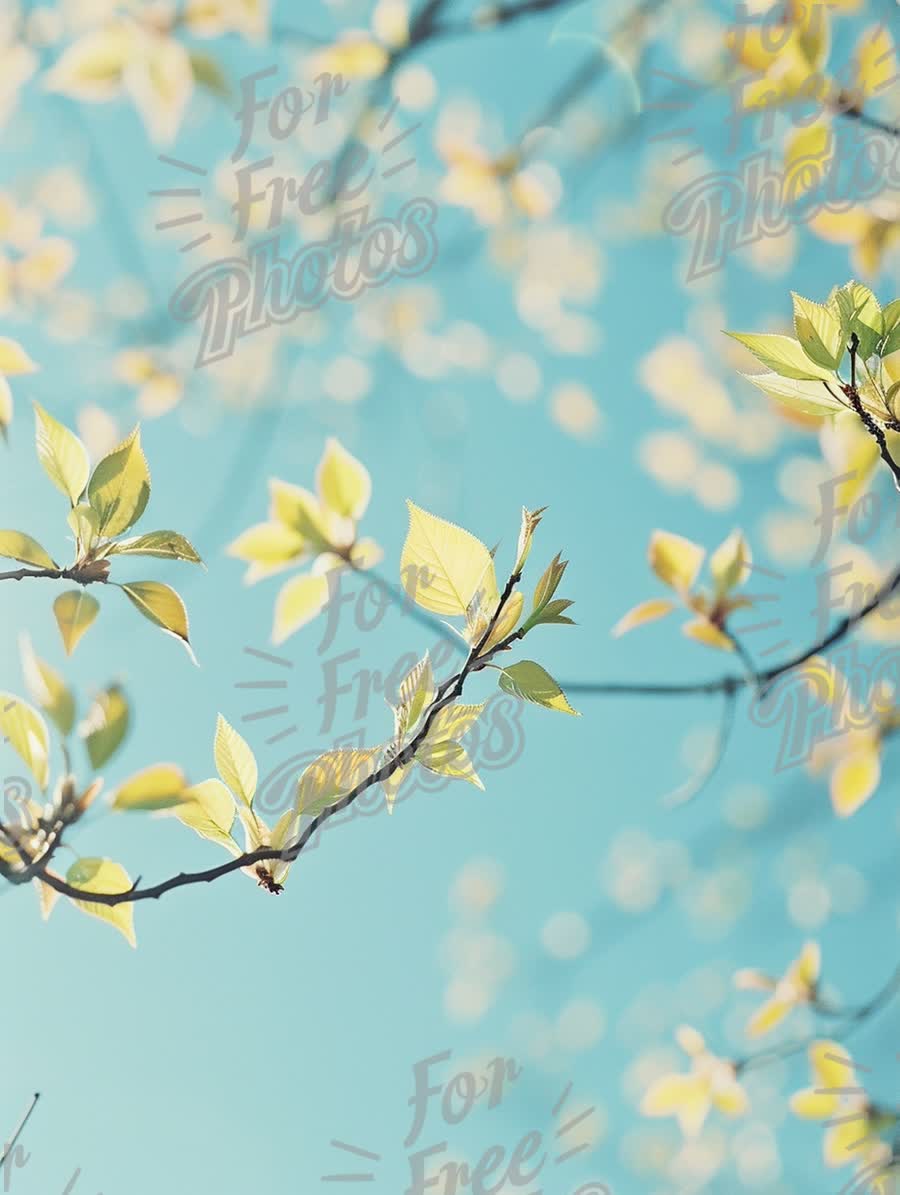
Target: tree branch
{"x": 852, "y": 1018}
{"x": 446, "y": 694}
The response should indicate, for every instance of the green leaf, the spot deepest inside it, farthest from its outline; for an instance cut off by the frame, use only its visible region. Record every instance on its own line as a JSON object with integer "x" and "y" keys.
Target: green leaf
{"x": 75, "y": 611}
{"x": 209, "y": 74}
{"x": 62, "y": 454}
{"x": 782, "y": 354}
{"x": 26, "y": 732}
{"x": 447, "y": 758}
{"x": 208, "y": 809}
{"x": 85, "y": 524}
{"x": 159, "y": 787}
{"x": 810, "y": 398}
{"x": 819, "y": 332}
{"x": 102, "y": 875}
{"x": 47, "y": 688}
{"x": 162, "y": 606}
{"x": 860, "y": 313}
{"x": 16, "y": 545}
{"x": 120, "y": 487}
{"x": 531, "y": 682}
{"x": 235, "y": 762}
{"x": 330, "y": 777}
{"x": 299, "y": 510}
{"x": 552, "y": 612}
{"x": 549, "y": 582}
{"x": 167, "y": 545}
{"x": 105, "y": 725}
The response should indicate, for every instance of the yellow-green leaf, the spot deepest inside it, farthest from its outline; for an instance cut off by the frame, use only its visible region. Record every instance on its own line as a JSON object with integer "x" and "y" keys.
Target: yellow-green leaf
{"x": 298, "y": 509}
{"x": 119, "y": 488}
{"x": 444, "y": 567}
{"x": 819, "y": 332}
{"x": 47, "y": 688}
{"x": 299, "y": 601}
{"x": 703, "y": 631}
{"x": 783, "y": 355}
{"x": 62, "y": 454}
{"x": 154, "y": 788}
{"x": 729, "y": 562}
{"x": 167, "y": 545}
{"x": 416, "y": 692}
{"x": 13, "y": 358}
{"x": 810, "y": 398}
{"x": 235, "y": 762}
{"x": 105, "y": 725}
{"x": 75, "y": 611}
{"x": 343, "y": 482}
{"x": 331, "y": 777}
{"x": 531, "y": 682}
{"x": 271, "y": 545}
{"x": 453, "y": 721}
{"x": 16, "y": 545}
{"x": 85, "y": 524}
{"x": 26, "y": 732}
{"x": 675, "y": 560}
{"x": 208, "y": 809}
{"x": 162, "y": 606}
{"x": 644, "y": 612}
{"x": 446, "y": 758}
{"x": 102, "y": 875}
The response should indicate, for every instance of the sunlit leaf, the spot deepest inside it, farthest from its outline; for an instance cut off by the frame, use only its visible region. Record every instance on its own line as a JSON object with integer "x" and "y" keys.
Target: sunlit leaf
{"x": 235, "y": 762}
{"x": 154, "y": 788}
{"x": 332, "y": 776}
{"x": 75, "y": 611}
{"x": 783, "y": 355}
{"x": 119, "y": 487}
{"x": 105, "y": 725}
{"x": 675, "y": 560}
{"x": 62, "y": 455}
{"x": 644, "y": 612}
{"x": 447, "y": 758}
{"x": 47, "y": 688}
{"x": 13, "y": 358}
{"x": 703, "y": 631}
{"x": 729, "y": 563}
{"x": 102, "y": 875}
{"x": 208, "y": 809}
{"x": 16, "y": 545}
{"x": 531, "y": 682}
{"x": 162, "y": 606}
{"x": 167, "y": 545}
{"x": 443, "y": 567}
{"x": 417, "y": 691}
{"x": 343, "y": 482}
{"x": 298, "y": 602}
{"x": 810, "y": 398}
{"x": 26, "y": 732}
{"x": 819, "y": 332}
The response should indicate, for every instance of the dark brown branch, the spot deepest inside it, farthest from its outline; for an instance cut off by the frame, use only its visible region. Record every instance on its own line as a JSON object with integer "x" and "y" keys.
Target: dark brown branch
{"x": 447, "y": 693}
{"x": 764, "y": 679}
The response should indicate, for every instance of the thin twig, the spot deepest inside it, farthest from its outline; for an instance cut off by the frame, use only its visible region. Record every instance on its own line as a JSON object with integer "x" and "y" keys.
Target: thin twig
{"x": 11, "y": 1145}
{"x": 447, "y": 693}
